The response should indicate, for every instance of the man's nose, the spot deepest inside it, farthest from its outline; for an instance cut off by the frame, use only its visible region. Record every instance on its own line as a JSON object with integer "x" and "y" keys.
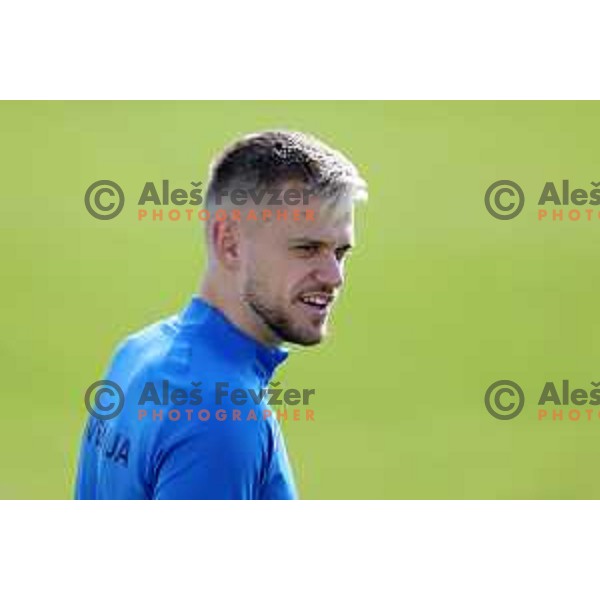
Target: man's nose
{"x": 331, "y": 272}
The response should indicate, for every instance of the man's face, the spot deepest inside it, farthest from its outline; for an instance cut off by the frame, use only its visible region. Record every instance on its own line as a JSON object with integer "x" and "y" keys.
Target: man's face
{"x": 293, "y": 271}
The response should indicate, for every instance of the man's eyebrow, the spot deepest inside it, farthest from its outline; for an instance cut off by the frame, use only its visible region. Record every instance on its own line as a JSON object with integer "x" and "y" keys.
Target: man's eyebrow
{"x": 306, "y": 240}
{"x": 316, "y": 242}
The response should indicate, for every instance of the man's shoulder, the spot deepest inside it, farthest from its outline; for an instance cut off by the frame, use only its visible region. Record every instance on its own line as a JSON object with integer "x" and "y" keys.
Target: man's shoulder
{"x": 145, "y": 348}
{"x": 167, "y": 349}
{"x": 154, "y": 333}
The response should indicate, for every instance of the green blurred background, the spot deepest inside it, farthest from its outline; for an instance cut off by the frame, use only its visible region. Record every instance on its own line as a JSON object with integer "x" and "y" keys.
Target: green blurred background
{"x": 441, "y": 299}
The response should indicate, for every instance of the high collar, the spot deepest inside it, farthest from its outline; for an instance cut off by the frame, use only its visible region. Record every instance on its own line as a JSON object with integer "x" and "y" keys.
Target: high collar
{"x": 241, "y": 346}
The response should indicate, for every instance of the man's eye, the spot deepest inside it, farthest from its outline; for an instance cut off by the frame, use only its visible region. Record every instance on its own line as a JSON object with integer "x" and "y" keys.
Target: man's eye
{"x": 306, "y": 250}
{"x": 342, "y": 253}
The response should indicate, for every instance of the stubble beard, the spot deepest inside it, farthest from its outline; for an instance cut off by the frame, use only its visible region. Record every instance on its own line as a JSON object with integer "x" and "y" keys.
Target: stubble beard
{"x": 276, "y": 318}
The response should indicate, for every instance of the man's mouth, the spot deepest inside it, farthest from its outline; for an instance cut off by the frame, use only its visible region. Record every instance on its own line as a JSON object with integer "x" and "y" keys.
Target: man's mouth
{"x": 318, "y": 302}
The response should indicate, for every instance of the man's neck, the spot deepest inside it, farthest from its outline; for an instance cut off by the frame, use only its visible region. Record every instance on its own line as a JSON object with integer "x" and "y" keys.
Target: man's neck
{"x": 238, "y": 312}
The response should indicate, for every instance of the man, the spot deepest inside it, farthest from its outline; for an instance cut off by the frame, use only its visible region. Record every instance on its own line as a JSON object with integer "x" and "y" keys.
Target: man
{"x": 272, "y": 277}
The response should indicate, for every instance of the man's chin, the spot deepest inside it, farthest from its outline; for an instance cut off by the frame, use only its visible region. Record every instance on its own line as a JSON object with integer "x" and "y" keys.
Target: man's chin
{"x": 301, "y": 329}
{"x": 307, "y": 337}
{"x": 309, "y": 341}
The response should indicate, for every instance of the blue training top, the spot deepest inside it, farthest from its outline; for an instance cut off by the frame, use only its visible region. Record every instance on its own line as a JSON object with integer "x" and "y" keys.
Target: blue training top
{"x": 193, "y": 422}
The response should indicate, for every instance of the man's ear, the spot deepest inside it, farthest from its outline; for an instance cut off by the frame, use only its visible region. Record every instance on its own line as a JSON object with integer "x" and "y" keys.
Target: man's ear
{"x": 225, "y": 237}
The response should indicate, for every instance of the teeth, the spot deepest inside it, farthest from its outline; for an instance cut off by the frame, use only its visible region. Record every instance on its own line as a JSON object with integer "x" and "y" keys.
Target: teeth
{"x": 320, "y": 300}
